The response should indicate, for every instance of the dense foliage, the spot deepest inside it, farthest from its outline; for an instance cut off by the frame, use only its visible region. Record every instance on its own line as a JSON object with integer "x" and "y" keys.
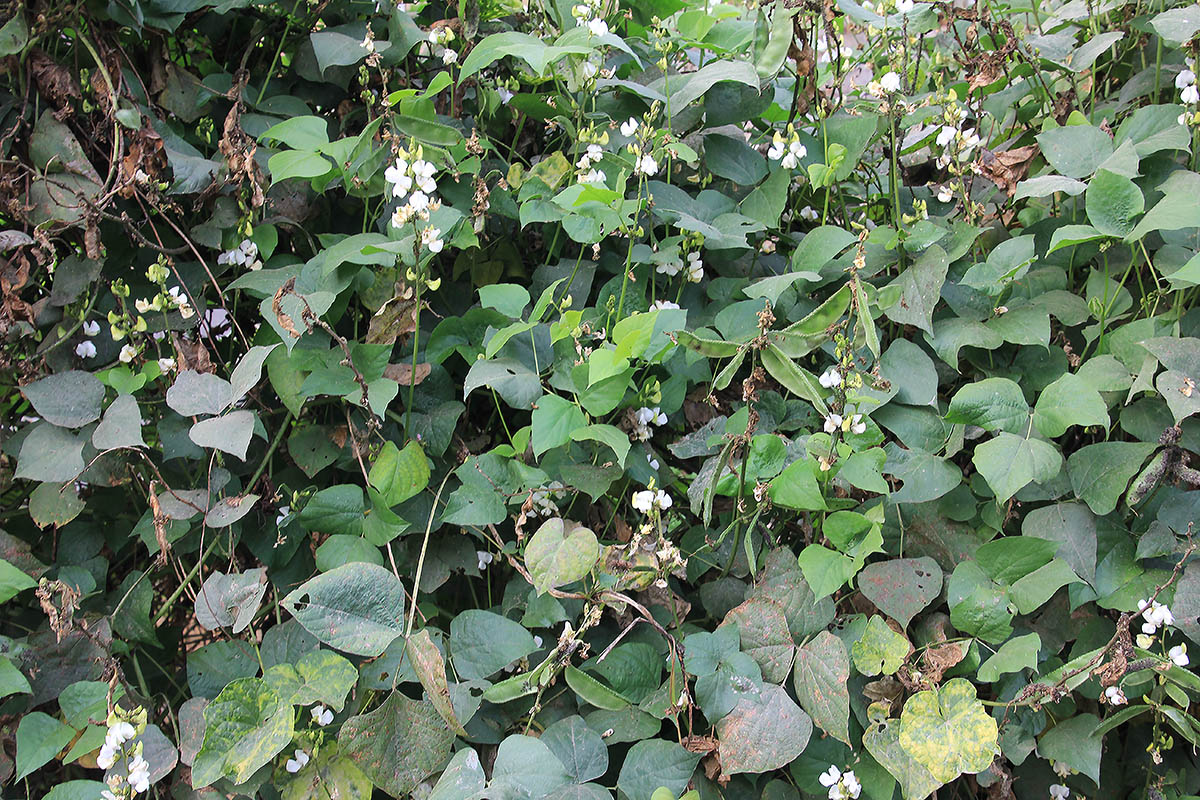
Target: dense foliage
{"x": 591, "y": 400}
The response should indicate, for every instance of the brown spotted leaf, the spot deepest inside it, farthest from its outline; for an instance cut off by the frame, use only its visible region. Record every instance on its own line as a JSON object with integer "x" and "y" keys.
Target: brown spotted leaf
{"x": 901, "y": 587}
{"x": 821, "y": 678}
{"x": 765, "y": 731}
{"x": 399, "y": 744}
{"x": 430, "y": 667}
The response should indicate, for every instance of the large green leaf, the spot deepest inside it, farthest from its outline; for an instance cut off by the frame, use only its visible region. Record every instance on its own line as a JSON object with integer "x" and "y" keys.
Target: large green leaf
{"x": 948, "y": 731}
{"x": 821, "y": 678}
{"x": 357, "y": 608}
{"x": 765, "y": 731}
{"x": 559, "y": 553}
{"x": 398, "y": 474}
{"x": 69, "y": 399}
{"x": 245, "y": 726}
{"x": 399, "y": 744}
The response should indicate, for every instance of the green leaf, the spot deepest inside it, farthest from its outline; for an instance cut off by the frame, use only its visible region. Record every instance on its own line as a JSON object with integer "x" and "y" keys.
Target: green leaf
{"x": 580, "y": 749}
{"x": 483, "y": 643}
{"x": 766, "y": 203}
{"x": 51, "y": 454}
{"x": 1068, "y": 401}
{"x": 821, "y": 679}
{"x": 880, "y": 650}
{"x": 68, "y": 399}
{"x": 230, "y": 433}
{"x": 337, "y": 509}
{"x": 1009, "y": 463}
{"x": 1074, "y": 743}
{"x": 319, "y": 676}
{"x": 1179, "y": 391}
{"x": 40, "y": 737}
{"x": 1032, "y": 591}
{"x": 1009, "y": 558}
{"x": 1073, "y": 526}
{"x": 330, "y": 775}
{"x": 246, "y": 374}
{"x": 609, "y": 435}
{"x": 463, "y": 777}
{"x": 797, "y": 487}
{"x": 195, "y": 393}
{"x": 13, "y": 581}
{"x": 826, "y": 570}
{"x": 299, "y": 133}
{"x": 560, "y": 553}
{"x": 507, "y": 298}
{"x": 54, "y": 504}
{"x": 14, "y": 35}
{"x": 920, "y": 288}
{"x": 992, "y": 404}
{"x": 399, "y": 744}
{"x": 399, "y": 474}
{"x": 246, "y": 726}
{"x": 554, "y": 420}
{"x": 288, "y": 164}
{"x": 1075, "y": 150}
{"x": 764, "y": 732}
{"x": 901, "y": 587}
{"x": 357, "y": 608}
{"x": 1113, "y": 203}
{"x": 653, "y": 763}
{"x": 12, "y": 681}
{"x": 1101, "y": 472}
{"x": 1013, "y": 656}
{"x": 795, "y": 379}
{"x": 121, "y": 426}
{"x": 948, "y": 731}
{"x": 526, "y": 767}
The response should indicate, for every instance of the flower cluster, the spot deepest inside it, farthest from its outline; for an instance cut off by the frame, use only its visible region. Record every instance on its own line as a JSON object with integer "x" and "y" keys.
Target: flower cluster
{"x": 643, "y": 161}
{"x": 119, "y": 744}
{"x": 852, "y": 423}
{"x": 643, "y": 418}
{"x": 412, "y": 183}
{"x": 650, "y": 500}
{"x": 957, "y": 143}
{"x": 787, "y": 150}
{"x": 87, "y": 348}
{"x": 439, "y": 40}
{"x": 542, "y": 500}
{"x": 594, "y": 151}
{"x": 244, "y": 255}
{"x": 588, "y": 13}
{"x": 1189, "y": 92}
{"x": 1155, "y": 615}
{"x": 841, "y": 785}
{"x": 693, "y": 270}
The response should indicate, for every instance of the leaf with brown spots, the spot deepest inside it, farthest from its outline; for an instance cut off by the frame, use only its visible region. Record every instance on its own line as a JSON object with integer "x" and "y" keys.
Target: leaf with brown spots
{"x": 765, "y": 731}
{"x": 430, "y": 667}
{"x": 399, "y": 744}
{"x": 821, "y": 677}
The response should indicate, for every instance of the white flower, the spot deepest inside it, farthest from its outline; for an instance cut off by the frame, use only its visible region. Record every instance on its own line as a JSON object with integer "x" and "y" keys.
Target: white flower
{"x": 589, "y": 70}
{"x": 809, "y": 213}
{"x": 833, "y": 422}
{"x": 91, "y": 328}
{"x": 650, "y": 499}
{"x": 484, "y": 558}
{"x": 139, "y": 775}
{"x": 1190, "y": 95}
{"x": 397, "y": 175}
{"x": 1062, "y": 769}
{"x": 166, "y": 364}
{"x": 830, "y": 378}
{"x": 1059, "y": 792}
{"x": 662, "y": 305}
{"x": 1185, "y": 79}
{"x": 890, "y": 82}
{"x": 946, "y": 135}
{"x": 419, "y": 201}
{"x": 1178, "y": 654}
{"x": 107, "y": 757}
{"x": 1156, "y": 615}
{"x": 670, "y": 268}
{"x": 449, "y": 56}
{"x": 695, "y": 267}
{"x": 595, "y": 176}
{"x": 653, "y": 416}
{"x": 537, "y": 641}
{"x": 1115, "y": 696}
{"x": 282, "y": 514}
{"x": 629, "y": 127}
{"x": 296, "y": 764}
{"x": 431, "y": 238}
{"x": 830, "y": 777}
{"x": 652, "y": 461}
{"x": 423, "y": 172}
{"x": 1144, "y": 641}
{"x": 85, "y": 350}
{"x": 853, "y": 787}
{"x": 647, "y": 166}
{"x": 505, "y": 95}
{"x": 944, "y": 195}
{"x": 795, "y": 152}
{"x": 142, "y": 305}
{"x": 905, "y": 6}
{"x": 1182, "y": 118}
{"x": 108, "y": 795}
{"x": 597, "y": 27}
{"x": 321, "y": 715}
{"x": 857, "y": 426}
{"x": 128, "y": 353}
{"x": 778, "y": 147}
